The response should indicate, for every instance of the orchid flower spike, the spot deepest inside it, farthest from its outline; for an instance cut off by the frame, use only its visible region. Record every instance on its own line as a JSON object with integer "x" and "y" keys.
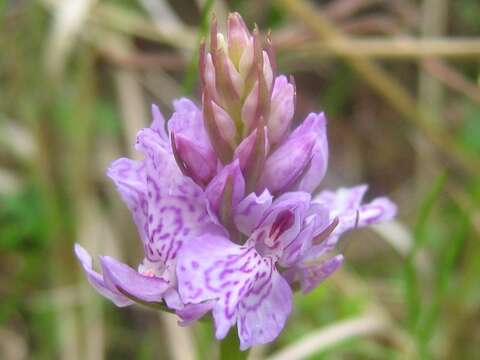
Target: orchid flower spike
{"x": 225, "y": 199}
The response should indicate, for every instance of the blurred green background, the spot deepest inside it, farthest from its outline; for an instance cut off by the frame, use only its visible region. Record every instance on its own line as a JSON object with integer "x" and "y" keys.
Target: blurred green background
{"x": 398, "y": 80}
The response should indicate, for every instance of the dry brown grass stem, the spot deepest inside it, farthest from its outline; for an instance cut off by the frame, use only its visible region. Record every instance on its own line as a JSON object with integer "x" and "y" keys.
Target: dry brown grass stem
{"x": 122, "y": 21}
{"x": 392, "y": 48}
{"x": 342, "y": 9}
{"x": 452, "y": 78}
{"x": 383, "y": 84}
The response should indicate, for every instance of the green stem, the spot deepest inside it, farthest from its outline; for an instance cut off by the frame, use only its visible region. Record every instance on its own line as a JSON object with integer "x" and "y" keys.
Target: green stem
{"x": 230, "y": 348}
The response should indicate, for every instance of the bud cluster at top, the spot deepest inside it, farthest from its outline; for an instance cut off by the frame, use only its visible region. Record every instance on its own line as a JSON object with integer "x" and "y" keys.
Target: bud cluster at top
{"x": 241, "y": 94}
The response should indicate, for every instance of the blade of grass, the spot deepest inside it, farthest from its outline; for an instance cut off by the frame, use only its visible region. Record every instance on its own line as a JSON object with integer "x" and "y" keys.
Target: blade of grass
{"x": 411, "y": 278}
{"x": 444, "y": 272}
{"x": 426, "y": 208}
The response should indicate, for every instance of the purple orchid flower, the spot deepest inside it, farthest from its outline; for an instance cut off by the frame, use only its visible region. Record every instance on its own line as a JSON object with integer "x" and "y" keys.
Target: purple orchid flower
{"x": 346, "y": 212}
{"x": 290, "y": 240}
{"x": 168, "y": 208}
{"x": 223, "y": 200}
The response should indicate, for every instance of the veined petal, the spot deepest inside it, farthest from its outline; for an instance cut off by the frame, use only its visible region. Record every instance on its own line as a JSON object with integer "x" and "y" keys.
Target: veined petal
{"x": 281, "y": 223}
{"x": 177, "y": 207}
{"x": 250, "y": 211}
{"x": 213, "y": 268}
{"x": 129, "y": 177}
{"x": 264, "y": 310}
{"x": 157, "y": 150}
{"x": 97, "y": 281}
{"x": 245, "y": 286}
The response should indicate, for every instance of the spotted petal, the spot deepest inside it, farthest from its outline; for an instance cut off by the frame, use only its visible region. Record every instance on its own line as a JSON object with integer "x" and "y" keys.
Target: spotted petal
{"x": 264, "y": 310}
{"x": 129, "y": 177}
{"x": 281, "y": 223}
{"x": 246, "y": 288}
{"x": 176, "y": 205}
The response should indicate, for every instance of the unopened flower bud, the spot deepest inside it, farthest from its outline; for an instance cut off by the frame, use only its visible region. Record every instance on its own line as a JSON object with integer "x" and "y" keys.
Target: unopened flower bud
{"x": 225, "y": 124}
{"x": 267, "y": 71}
{"x": 252, "y": 153}
{"x": 237, "y": 74}
{"x": 249, "y": 109}
{"x": 282, "y": 108}
{"x": 238, "y": 36}
{"x": 246, "y": 150}
{"x": 316, "y": 124}
{"x": 190, "y": 143}
{"x": 286, "y": 165}
{"x": 193, "y": 159}
{"x": 222, "y": 148}
{"x": 246, "y": 60}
